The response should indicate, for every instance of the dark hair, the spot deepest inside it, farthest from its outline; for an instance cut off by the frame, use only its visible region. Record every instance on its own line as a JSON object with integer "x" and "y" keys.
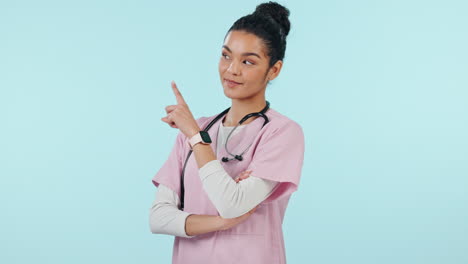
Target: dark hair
{"x": 270, "y": 23}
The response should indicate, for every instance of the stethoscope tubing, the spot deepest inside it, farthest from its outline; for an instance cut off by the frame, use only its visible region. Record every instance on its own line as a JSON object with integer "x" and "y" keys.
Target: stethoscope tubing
{"x": 238, "y": 157}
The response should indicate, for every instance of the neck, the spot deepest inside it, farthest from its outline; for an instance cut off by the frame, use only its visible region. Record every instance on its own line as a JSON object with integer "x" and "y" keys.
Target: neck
{"x": 240, "y": 108}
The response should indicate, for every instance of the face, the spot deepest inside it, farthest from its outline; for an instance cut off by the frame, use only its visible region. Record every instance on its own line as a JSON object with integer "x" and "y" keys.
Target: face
{"x": 244, "y": 66}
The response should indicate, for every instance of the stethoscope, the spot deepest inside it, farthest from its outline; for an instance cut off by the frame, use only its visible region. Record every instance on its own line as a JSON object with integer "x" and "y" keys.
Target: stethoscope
{"x": 224, "y": 159}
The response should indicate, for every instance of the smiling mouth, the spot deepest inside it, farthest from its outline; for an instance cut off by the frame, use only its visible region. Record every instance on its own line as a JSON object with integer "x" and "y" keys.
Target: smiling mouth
{"x": 231, "y": 83}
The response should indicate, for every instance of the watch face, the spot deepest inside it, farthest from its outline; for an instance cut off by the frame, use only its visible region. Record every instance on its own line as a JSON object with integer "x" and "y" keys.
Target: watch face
{"x": 205, "y": 136}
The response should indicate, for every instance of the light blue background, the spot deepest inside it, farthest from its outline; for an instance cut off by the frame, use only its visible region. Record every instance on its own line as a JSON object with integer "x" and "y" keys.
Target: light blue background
{"x": 379, "y": 87}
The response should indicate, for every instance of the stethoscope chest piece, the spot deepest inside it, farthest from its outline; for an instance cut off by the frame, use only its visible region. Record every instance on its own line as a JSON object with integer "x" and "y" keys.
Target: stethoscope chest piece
{"x": 237, "y": 157}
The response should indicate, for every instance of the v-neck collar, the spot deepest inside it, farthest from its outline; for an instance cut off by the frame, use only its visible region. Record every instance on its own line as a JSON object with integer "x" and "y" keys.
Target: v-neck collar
{"x": 235, "y": 139}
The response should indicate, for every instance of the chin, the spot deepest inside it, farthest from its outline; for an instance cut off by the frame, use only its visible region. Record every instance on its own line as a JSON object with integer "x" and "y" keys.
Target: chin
{"x": 235, "y": 95}
{"x": 232, "y": 94}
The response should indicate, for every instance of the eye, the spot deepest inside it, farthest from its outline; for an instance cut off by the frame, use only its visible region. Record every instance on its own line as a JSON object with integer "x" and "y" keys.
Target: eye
{"x": 247, "y": 62}
{"x": 224, "y": 55}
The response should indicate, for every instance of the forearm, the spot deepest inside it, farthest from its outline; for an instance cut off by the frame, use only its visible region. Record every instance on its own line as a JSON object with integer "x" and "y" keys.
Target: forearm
{"x": 201, "y": 224}
{"x": 166, "y": 217}
{"x": 203, "y": 154}
{"x": 230, "y": 198}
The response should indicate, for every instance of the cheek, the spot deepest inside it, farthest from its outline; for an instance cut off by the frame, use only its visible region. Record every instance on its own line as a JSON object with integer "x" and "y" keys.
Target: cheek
{"x": 253, "y": 76}
{"x": 222, "y": 66}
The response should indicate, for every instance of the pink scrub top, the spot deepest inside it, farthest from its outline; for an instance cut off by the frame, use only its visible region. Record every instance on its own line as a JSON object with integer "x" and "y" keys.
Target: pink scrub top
{"x": 277, "y": 154}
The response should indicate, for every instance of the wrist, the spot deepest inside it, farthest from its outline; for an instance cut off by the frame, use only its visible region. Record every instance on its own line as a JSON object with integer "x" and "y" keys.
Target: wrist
{"x": 192, "y": 133}
{"x": 199, "y": 137}
{"x": 221, "y": 223}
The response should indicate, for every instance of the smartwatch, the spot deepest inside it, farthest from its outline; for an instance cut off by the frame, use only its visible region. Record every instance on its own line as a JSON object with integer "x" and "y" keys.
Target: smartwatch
{"x": 201, "y": 137}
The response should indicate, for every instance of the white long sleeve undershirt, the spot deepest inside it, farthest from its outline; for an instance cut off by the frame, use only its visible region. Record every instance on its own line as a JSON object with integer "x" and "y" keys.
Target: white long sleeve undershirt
{"x": 231, "y": 199}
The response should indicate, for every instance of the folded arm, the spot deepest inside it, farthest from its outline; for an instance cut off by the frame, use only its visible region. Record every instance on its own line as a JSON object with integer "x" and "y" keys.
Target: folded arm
{"x": 165, "y": 216}
{"x": 233, "y": 199}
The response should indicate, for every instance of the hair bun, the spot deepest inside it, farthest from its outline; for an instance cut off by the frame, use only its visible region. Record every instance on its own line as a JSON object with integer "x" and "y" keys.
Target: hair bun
{"x": 276, "y": 11}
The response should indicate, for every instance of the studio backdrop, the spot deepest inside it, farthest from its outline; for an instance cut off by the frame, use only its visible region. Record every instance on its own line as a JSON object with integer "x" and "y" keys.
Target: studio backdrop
{"x": 380, "y": 89}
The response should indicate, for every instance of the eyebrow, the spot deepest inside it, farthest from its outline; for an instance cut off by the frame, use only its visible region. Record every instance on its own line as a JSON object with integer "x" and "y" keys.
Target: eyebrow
{"x": 243, "y": 54}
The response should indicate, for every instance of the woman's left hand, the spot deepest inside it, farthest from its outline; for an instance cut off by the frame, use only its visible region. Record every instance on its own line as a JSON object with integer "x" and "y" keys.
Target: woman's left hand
{"x": 242, "y": 176}
{"x": 179, "y": 115}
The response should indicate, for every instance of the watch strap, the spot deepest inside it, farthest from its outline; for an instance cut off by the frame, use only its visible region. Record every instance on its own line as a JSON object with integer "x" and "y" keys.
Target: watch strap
{"x": 195, "y": 139}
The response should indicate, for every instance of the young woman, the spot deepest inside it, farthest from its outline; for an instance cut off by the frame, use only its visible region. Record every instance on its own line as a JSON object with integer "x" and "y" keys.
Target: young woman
{"x": 230, "y": 204}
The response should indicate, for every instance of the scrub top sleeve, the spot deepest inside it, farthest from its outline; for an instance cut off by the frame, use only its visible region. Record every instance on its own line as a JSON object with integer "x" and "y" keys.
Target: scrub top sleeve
{"x": 170, "y": 172}
{"x": 279, "y": 157}
{"x": 165, "y": 216}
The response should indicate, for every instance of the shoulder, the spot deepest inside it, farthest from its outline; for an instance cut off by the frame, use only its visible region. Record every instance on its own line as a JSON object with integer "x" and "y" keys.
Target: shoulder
{"x": 284, "y": 131}
{"x": 282, "y": 124}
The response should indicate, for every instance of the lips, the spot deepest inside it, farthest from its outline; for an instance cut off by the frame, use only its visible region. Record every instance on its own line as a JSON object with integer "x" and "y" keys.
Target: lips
{"x": 231, "y": 83}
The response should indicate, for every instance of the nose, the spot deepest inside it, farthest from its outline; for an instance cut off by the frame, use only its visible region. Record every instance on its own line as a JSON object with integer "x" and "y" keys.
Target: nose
{"x": 234, "y": 68}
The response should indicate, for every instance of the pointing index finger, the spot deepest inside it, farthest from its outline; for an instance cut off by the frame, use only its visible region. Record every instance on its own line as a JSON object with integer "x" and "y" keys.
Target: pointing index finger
{"x": 178, "y": 95}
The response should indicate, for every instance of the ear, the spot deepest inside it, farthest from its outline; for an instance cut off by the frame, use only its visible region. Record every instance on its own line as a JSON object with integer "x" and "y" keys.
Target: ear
{"x": 274, "y": 71}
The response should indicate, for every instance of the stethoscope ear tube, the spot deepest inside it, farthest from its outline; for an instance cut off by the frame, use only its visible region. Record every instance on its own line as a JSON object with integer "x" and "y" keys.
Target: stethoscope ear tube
{"x": 224, "y": 159}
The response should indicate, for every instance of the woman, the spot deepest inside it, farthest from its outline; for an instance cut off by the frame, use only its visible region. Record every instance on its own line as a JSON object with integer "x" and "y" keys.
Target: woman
{"x": 237, "y": 186}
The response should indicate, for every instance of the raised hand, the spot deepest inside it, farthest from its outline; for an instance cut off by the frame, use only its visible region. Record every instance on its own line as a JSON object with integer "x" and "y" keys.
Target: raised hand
{"x": 179, "y": 115}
